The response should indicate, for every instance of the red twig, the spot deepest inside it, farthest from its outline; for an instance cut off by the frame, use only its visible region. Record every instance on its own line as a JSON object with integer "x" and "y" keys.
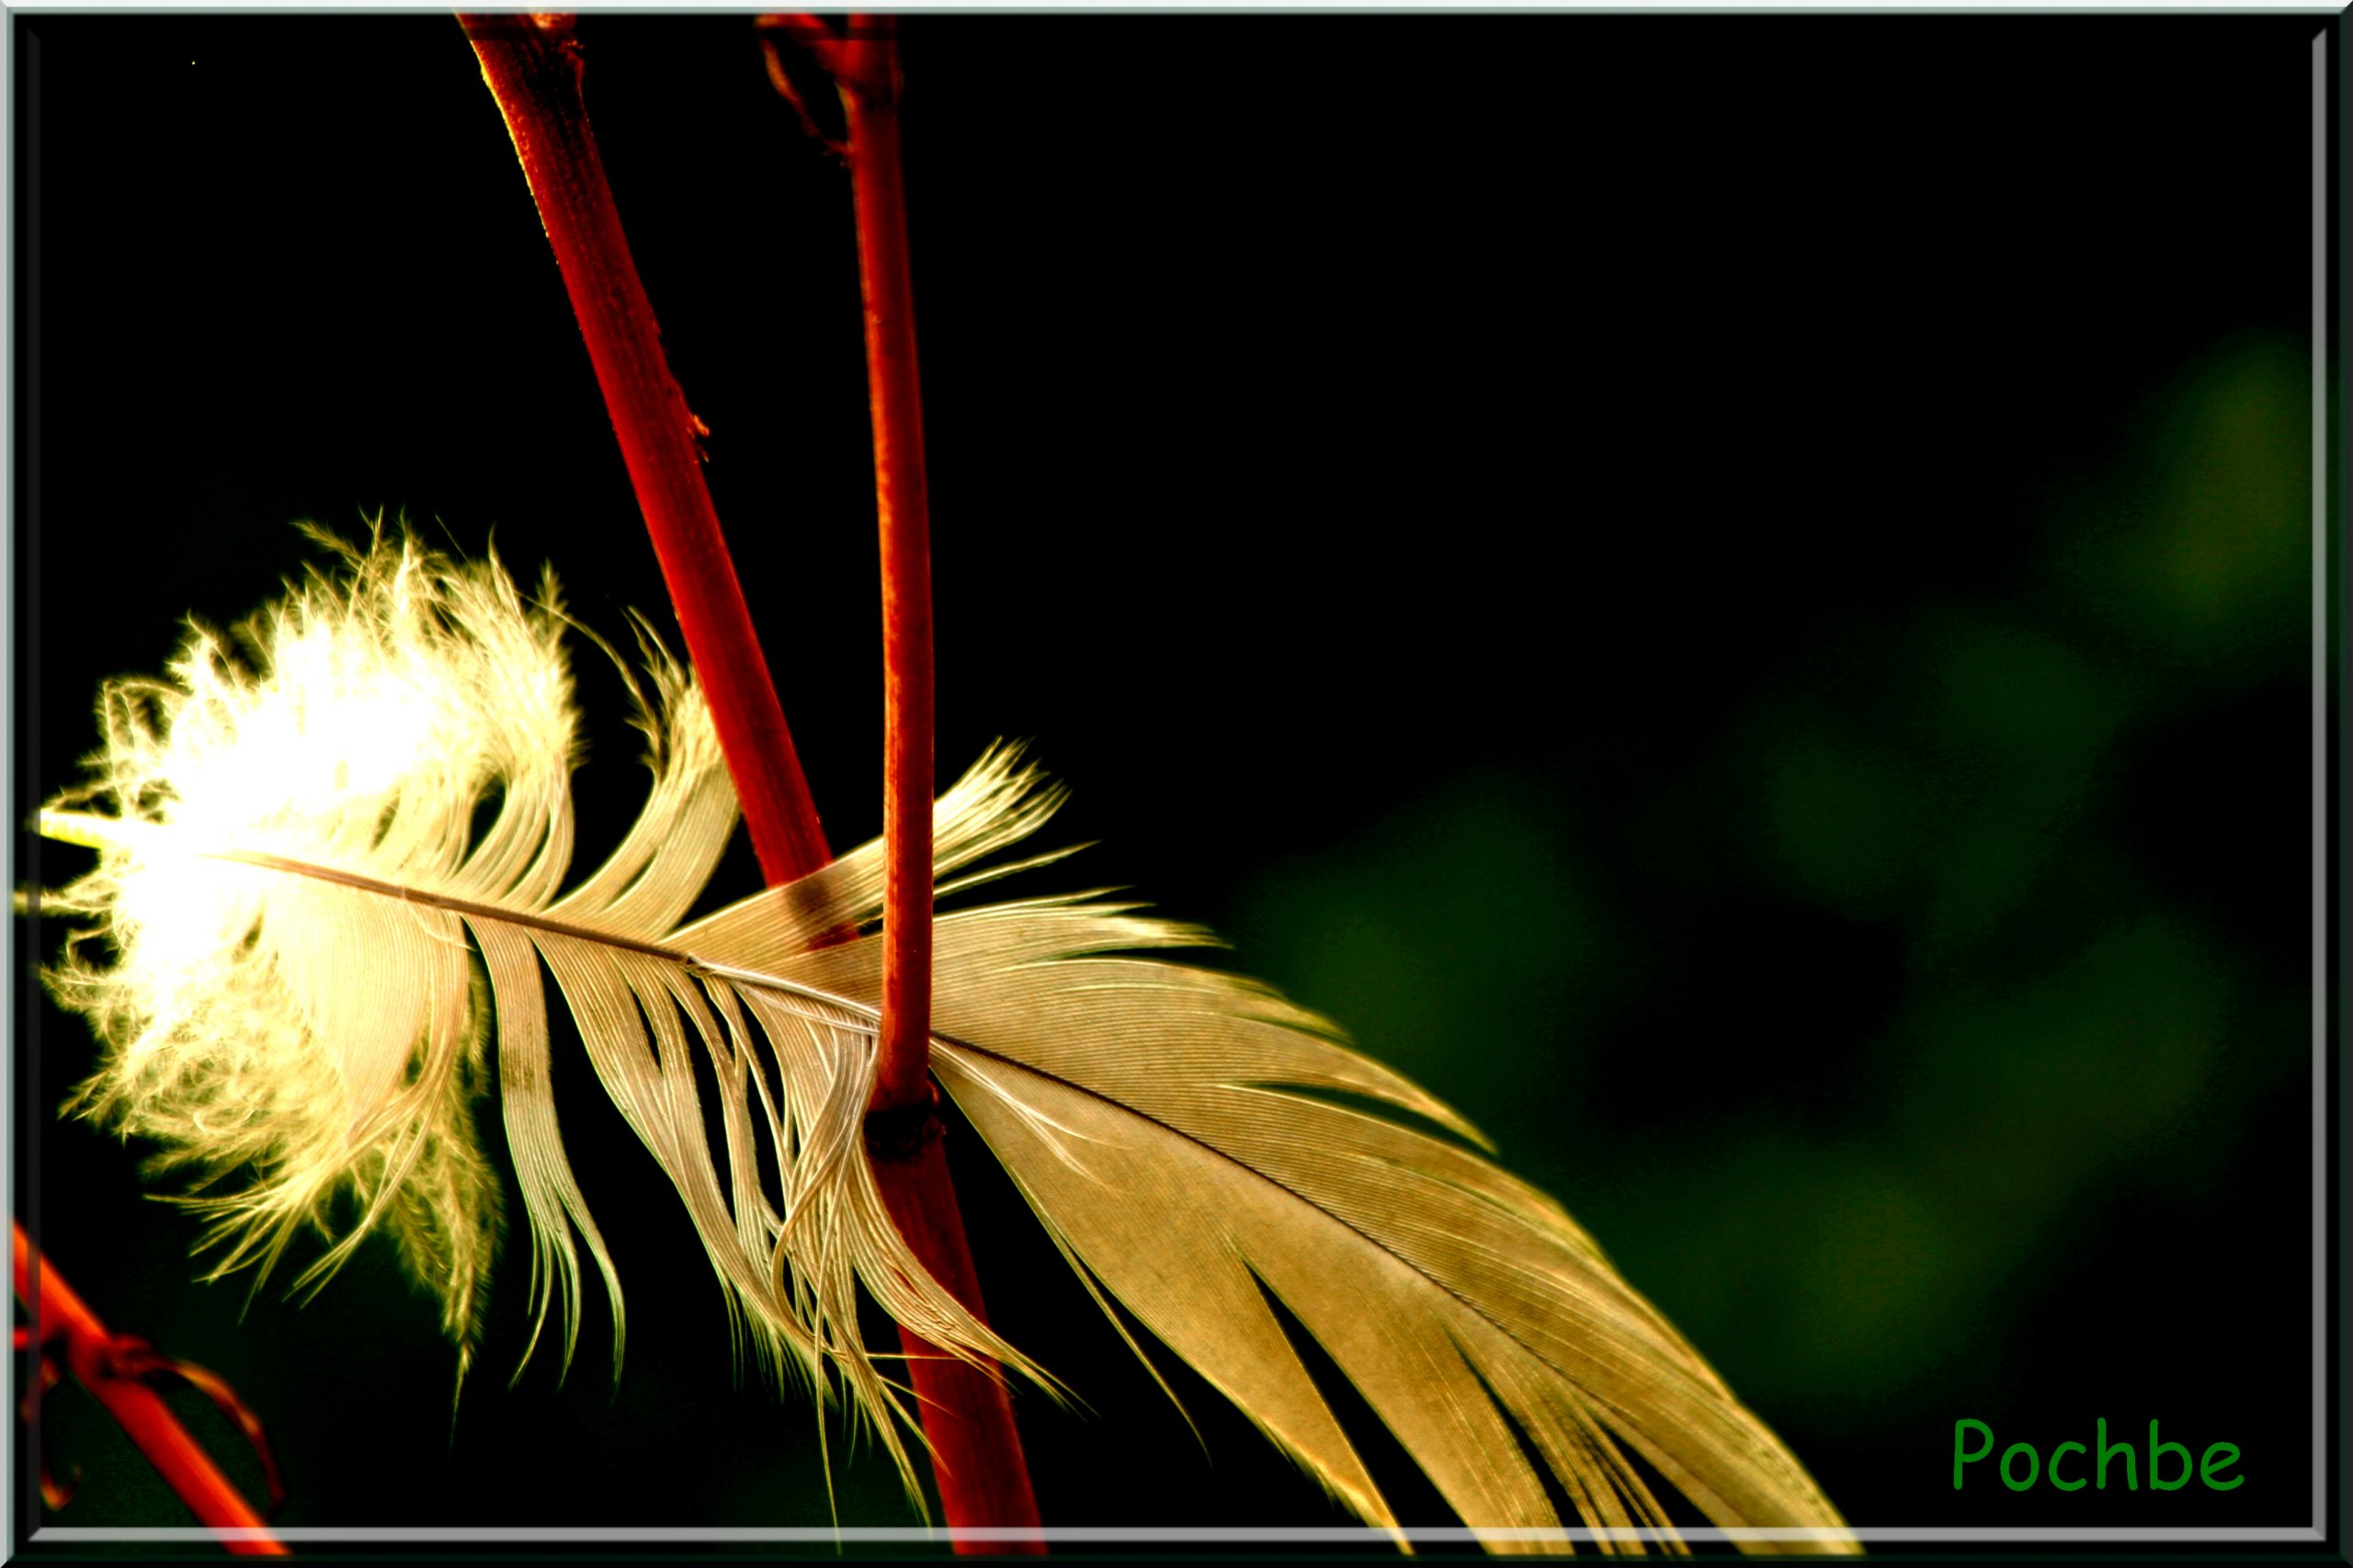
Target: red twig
{"x": 61, "y": 1317}
{"x": 976, "y": 1453}
{"x": 532, "y": 63}
{"x": 903, "y": 506}
{"x": 976, "y": 1447}
{"x": 533, "y": 67}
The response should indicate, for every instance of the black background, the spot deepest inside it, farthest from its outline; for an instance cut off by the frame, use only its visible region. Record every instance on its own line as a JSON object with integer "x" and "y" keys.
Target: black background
{"x": 1328, "y": 416}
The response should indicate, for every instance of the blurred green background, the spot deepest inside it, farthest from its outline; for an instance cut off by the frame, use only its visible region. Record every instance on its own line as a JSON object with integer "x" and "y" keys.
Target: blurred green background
{"x": 1732, "y": 594}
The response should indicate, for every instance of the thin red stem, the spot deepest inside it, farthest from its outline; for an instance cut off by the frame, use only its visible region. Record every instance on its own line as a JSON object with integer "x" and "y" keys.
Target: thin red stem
{"x": 976, "y": 1454}
{"x": 903, "y": 508}
{"x": 62, "y": 1316}
{"x": 533, "y": 65}
{"x": 976, "y": 1447}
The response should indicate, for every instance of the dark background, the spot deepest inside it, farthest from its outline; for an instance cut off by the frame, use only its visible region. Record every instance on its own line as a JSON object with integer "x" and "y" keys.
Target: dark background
{"x": 1733, "y": 593}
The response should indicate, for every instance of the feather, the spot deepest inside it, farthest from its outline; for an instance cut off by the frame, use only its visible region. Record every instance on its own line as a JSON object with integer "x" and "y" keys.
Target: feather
{"x": 296, "y": 948}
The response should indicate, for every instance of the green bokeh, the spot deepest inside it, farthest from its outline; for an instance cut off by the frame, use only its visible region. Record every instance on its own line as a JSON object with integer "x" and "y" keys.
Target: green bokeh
{"x": 2071, "y": 1036}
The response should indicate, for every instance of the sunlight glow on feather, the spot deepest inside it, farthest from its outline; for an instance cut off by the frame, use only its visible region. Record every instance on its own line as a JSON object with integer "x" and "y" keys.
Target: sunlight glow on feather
{"x": 280, "y": 950}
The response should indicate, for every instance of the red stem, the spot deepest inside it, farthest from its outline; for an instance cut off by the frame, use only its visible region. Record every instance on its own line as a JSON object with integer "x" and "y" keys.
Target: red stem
{"x": 902, "y": 508}
{"x": 60, "y": 1314}
{"x": 976, "y": 1447}
{"x": 976, "y": 1454}
{"x": 532, "y": 63}
{"x": 533, "y": 67}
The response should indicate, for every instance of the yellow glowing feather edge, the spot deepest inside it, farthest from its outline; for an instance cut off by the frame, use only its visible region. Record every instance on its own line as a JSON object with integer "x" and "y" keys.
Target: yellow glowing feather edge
{"x": 276, "y": 951}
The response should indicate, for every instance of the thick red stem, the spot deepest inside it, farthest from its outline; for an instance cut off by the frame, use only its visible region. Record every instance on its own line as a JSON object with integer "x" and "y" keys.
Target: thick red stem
{"x": 533, "y": 67}
{"x": 60, "y": 1316}
{"x": 532, "y": 63}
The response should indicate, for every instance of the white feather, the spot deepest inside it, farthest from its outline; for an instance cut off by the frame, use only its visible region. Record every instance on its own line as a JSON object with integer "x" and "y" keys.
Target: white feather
{"x": 281, "y": 956}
